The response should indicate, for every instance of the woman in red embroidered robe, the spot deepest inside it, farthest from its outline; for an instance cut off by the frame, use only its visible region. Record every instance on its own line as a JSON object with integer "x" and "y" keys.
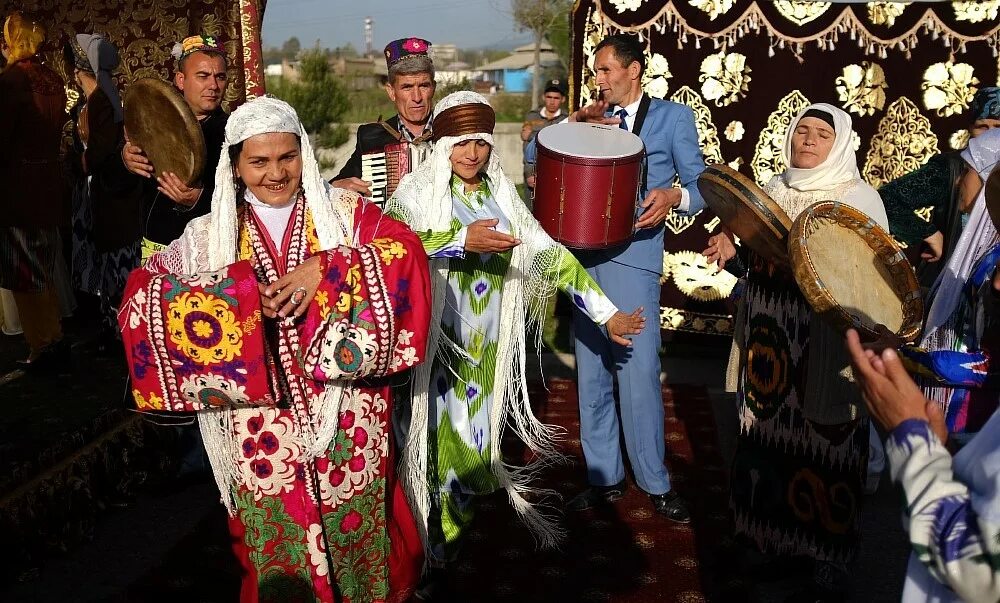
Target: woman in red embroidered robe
{"x": 296, "y": 312}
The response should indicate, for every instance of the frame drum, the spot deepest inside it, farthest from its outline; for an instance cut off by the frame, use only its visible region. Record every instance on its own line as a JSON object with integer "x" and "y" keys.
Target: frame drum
{"x": 587, "y": 180}
{"x": 159, "y": 121}
{"x": 747, "y": 211}
{"x": 852, "y": 273}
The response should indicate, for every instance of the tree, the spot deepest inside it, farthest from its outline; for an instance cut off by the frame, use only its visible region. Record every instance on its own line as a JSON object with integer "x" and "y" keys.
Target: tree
{"x": 317, "y": 97}
{"x": 538, "y": 16}
{"x": 291, "y": 48}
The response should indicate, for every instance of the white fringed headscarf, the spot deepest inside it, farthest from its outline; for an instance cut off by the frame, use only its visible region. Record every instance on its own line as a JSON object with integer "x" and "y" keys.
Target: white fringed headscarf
{"x": 837, "y": 178}
{"x": 978, "y": 235}
{"x": 265, "y": 115}
{"x": 423, "y": 201}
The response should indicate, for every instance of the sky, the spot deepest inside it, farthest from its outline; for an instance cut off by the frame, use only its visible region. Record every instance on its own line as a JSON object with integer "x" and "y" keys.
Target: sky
{"x": 465, "y": 23}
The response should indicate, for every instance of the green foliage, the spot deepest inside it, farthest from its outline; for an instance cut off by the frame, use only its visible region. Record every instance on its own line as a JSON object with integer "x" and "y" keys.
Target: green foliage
{"x": 331, "y": 136}
{"x": 510, "y": 107}
{"x": 318, "y": 97}
{"x": 446, "y": 89}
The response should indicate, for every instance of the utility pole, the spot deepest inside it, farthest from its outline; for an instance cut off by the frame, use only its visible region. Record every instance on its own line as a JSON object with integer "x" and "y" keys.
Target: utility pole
{"x": 369, "y": 34}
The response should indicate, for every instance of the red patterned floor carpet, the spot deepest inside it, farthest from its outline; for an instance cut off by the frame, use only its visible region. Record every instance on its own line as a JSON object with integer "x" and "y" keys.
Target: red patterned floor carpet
{"x": 622, "y": 553}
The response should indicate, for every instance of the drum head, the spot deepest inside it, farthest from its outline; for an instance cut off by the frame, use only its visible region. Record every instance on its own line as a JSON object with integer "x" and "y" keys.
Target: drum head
{"x": 159, "y": 121}
{"x": 852, "y": 273}
{"x": 992, "y": 189}
{"x": 590, "y": 141}
{"x": 747, "y": 211}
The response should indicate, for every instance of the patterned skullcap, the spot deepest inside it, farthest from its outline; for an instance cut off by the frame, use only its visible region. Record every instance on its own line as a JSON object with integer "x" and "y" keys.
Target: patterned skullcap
{"x": 198, "y": 43}
{"x": 986, "y": 103}
{"x": 405, "y": 48}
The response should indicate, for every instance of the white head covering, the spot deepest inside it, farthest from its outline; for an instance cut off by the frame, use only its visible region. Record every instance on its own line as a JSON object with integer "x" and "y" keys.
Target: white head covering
{"x": 262, "y": 116}
{"x": 977, "y": 237}
{"x": 839, "y": 167}
{"x": 423, "y": 201}
{"x": 103, "y": 58}
{"x": 837, "y": 178}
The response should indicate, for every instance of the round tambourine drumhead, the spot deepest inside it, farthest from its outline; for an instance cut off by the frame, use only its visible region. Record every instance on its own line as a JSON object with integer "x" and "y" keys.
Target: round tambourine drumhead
{"x": 590, "y": 141}
{"x": 159, "y": 121}
{"x": 992, "y": 193}
{"x": 747, "y": 211}
{"x": 852, "y": 273}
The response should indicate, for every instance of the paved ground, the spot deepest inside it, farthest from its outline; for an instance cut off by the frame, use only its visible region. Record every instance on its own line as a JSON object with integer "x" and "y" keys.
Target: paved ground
{"x": 132, "y": 540}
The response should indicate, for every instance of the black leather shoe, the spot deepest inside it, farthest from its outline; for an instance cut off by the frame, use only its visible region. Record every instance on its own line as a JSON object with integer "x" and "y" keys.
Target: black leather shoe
{"x": 671, "y": 506}
{"x": 595, "y": 496}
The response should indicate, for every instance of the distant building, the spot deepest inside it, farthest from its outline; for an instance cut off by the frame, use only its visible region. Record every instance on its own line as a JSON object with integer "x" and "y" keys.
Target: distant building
{"x": 442, "y": 54}
{"x": 513, "y": 73}
{"x": 455, "y": 73}
{"x": 273, "y": 70}
{"x": 355, "y": 74}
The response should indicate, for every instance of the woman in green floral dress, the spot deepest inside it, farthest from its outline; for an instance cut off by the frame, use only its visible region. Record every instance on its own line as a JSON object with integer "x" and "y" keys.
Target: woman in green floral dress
{"x": 492, "y": 269}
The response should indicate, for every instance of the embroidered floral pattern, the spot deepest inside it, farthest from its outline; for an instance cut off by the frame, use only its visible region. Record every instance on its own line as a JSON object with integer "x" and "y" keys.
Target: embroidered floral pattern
{"x": 213, "y": 391}
{"x": 734, "y": 131}
{"x": 949, "y": 87}
{"x": 268, "y": 442}
{"x": 861, "y": 88}
{"x": 725, "y": 78}
{"x": 713, "y": 8}
{"x": 358, "y": 452}
{"x": 654, "y": 78}
{"x": 204, "y": 328}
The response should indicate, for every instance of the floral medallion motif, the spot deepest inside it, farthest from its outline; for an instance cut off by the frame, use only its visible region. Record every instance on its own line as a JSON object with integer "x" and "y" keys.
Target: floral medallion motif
{"x": 862, "y": 88}
{"x": 204, "y": 328}
{"x": 268, "y": 443}
{"x": 767, "y": 159}
{"x": 592, "y": 36}
{"x": 801, "y": 12}
{"x": 654, "y": 78}
{"x": 725, "y": 78}
{"x": 975, "y": 11}
{"x": 696, "y": 278}
{"x": 885, "y": 13}
{"x": 959, "y": 140}
{"x": 624, "y": 5}
{"x": 356, "y": 455}
{"x": 213, "y": 391}
{"x": 949, "y": 87}
{"x": 904, "y": 141}
{"x": 713, "y": 8}
{"x": 734, "y": 131}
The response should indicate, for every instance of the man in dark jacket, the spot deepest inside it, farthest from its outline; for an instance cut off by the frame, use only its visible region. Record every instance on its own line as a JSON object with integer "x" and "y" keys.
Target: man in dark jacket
{"x": 171, "y": 204}
{"x": 411, "y": 87}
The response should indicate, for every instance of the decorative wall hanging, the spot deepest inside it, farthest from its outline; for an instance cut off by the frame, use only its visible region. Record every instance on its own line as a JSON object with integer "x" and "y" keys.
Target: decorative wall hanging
{"x": 905, "y": 71}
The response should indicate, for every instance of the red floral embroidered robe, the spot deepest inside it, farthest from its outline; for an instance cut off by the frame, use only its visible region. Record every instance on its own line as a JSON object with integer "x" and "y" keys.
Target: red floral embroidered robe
{"x": 336, "y": 527}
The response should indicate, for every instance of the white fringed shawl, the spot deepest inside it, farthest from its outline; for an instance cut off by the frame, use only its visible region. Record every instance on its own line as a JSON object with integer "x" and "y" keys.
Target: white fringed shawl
{"x": 424, "y": 202}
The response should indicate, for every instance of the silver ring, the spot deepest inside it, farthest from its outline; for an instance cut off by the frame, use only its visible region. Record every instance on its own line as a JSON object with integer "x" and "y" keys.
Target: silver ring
{"x": 301, "y": 292}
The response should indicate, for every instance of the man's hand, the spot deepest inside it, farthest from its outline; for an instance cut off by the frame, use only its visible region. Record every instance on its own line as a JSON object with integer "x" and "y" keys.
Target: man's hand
{"x": 657, "y": 204}
{"x": 354, "y": 184}
{"x": 621, "y": 325}
{"x": 935, "y": 247}
{"x": 526, "y": 130}
{"x": 135, "y": 160}
{"x": 886, "y": 339}
{"x": 480, "y": 237}
{"x": 890, "y": 394}
{"x": 174, "y": 187}
{"x": 721, "y": 248}
{"x": 594, "y": 114}
{"x": 292, "y": 293}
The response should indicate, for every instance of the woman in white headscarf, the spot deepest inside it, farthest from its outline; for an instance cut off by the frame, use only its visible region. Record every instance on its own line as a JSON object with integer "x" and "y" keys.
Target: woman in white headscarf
{"x": 797, "y": 477}
{"x": 341, "y": 294}
{"x": 493, "y": 268}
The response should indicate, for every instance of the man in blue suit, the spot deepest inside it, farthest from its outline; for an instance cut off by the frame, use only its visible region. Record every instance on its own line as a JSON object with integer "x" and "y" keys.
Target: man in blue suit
{"x": 629, "y": 274}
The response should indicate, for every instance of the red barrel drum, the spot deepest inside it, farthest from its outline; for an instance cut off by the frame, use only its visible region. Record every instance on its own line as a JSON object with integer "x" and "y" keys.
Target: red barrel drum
{"x": 587, "y": 184}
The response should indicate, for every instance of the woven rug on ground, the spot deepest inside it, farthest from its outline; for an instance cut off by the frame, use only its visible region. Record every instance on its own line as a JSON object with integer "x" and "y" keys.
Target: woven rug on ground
{"x": 622, "y": 553}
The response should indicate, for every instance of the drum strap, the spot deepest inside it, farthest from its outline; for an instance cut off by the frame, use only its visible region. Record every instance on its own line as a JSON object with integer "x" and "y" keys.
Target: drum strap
{"x": 640, "y": 118}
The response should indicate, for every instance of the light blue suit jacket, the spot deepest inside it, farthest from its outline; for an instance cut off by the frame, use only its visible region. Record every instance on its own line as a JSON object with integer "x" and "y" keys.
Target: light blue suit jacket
{"x": 672, "y": 150}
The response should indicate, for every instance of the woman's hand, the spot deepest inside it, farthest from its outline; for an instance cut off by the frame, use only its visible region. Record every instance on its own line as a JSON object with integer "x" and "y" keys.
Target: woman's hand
{"x": 935, "y": 248}
{"x": 721, "y": 248}
{"x": 620, "y": 325}
{"x": 291, "y": 294}
{"x": 480, "y": 237}
{"x": 890, "y": 394}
